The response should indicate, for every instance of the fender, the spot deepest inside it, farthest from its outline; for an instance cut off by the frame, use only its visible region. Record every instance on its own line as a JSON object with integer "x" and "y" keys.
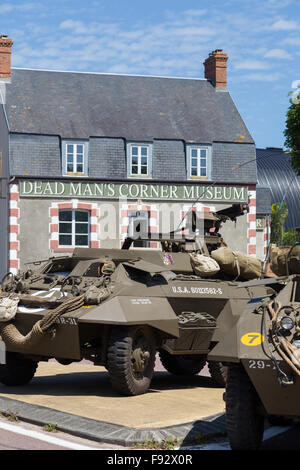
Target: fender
{"x": 128, "y": 310}
{"x": 228, "y": 349}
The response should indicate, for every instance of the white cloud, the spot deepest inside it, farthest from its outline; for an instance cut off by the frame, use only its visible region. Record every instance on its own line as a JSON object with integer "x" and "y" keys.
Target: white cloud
{"x": 292, "y": 41}
{"x": 194, "y": 13}
{"x": 80, "y": 28}
{"x": 6, "y": 7}
{"x": 76, "y": 27}
{"x": 262, "y": 77}
{"x": 175, "y": 45}
{"x": 252, "y": 65}
{"x": 277, "y": 54}
{"x": 279, "y": 3}
{"x": 284, "y": 25}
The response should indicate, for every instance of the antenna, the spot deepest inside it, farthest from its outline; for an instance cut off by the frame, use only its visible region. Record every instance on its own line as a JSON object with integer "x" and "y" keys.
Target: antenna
{"x": 213, "y": 184}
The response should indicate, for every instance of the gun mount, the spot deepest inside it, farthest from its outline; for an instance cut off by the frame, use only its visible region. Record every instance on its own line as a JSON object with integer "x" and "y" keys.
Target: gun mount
{"x": 188, "y": 238}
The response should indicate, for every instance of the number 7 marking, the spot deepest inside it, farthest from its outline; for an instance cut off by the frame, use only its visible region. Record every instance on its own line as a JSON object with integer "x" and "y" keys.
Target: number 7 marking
{"x": 252, "y": 339}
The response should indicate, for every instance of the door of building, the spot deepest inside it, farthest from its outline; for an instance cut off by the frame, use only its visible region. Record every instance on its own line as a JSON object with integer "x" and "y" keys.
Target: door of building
{"x": 139, "y": 227}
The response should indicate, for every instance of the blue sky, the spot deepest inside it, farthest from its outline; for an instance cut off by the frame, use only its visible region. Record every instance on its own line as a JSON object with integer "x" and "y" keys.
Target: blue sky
{"x": 169, "y": 38}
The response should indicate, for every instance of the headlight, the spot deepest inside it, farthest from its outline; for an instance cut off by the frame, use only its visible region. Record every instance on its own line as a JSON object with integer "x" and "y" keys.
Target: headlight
{"x": 286, "y": 323}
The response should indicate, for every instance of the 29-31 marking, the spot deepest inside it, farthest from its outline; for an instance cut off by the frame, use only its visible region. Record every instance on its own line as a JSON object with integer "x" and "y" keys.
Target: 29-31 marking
{"x": 259, "y": 364}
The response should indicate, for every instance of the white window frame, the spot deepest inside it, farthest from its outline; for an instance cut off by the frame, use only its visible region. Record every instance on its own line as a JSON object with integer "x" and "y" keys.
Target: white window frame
{"x": 73, "y": 231}
{"x": 75, "y": 158}
{"x": 139, "y": 156}
{"x": 199, "y": 149}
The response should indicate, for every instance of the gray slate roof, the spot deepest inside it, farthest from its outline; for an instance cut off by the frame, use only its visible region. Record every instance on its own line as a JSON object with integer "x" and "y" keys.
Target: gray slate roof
{"x": 275, "y": 171}
{"x": 263, "y": 200}
{"x": 80, "y": 105}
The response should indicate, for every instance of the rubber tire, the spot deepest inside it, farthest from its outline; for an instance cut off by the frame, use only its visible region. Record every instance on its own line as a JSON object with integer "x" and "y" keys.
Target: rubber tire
{"x": 245, "y": 426}
{"x": 179, "y": 364}
{"x": 18, "y": 370}
{"x": 119, "y": 366}
{"x": 218, "y": 372}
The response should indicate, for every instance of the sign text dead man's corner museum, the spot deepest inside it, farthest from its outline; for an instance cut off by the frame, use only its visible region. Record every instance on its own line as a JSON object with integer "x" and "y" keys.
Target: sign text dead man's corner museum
{"x": 130, "y": 190}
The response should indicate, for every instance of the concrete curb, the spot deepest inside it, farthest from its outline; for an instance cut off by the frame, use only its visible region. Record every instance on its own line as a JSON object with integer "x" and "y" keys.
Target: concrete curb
{"x": 108, "y": 432}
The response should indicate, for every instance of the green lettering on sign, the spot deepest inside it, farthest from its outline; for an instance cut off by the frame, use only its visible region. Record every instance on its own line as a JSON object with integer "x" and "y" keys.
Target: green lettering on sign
{"x": 92, "y": 190}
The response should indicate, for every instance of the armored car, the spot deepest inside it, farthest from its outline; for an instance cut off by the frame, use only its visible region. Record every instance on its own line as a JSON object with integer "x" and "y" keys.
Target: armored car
{"x": 119, "y": 307}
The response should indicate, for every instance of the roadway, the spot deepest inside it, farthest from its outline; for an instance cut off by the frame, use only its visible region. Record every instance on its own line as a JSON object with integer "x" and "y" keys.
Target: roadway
{"x": 18, "y": 435}
{"x": 78, "y": 403}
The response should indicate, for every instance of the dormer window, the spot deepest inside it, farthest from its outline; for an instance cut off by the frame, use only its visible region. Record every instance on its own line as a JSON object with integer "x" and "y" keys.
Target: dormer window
{"x": 139, "y": 160}
{"x": 75, "y": 158}
{"x": 198, "y": 162}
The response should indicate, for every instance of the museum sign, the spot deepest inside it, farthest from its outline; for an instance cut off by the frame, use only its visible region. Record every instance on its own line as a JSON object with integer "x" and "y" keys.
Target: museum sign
{"x": 31, "y": 188}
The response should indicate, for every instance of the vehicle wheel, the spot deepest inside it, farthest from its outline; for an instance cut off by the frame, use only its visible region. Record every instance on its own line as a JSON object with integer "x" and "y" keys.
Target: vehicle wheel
{"x": 218, "y": 372}
{"x": 18, "y": 370}
{"x": 130, "y": 359}
{"x": 180, "y": 364}
{"x": 245, "y": 426}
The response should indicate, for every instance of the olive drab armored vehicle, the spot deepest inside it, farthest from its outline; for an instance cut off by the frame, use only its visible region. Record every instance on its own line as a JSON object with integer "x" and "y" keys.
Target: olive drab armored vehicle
{"x": 262, "y": 354}
{"x": 119, "y": 307}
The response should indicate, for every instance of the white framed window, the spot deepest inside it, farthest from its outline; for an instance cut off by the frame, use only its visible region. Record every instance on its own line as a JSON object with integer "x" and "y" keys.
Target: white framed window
{"x": 198, "y": 162}
{"x": 74, "y": 228}
{"x": 139, "y": 160}
{"x": 75, "y": 158}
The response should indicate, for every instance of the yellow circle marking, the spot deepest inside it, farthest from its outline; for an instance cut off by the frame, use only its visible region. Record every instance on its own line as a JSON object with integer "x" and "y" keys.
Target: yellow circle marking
{"x": 252, "y": 339}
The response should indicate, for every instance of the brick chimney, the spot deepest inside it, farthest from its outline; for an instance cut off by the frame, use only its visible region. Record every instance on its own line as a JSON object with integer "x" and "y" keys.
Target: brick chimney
{"x": 5, "y": 57}
{"x": 215, "y": 68}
